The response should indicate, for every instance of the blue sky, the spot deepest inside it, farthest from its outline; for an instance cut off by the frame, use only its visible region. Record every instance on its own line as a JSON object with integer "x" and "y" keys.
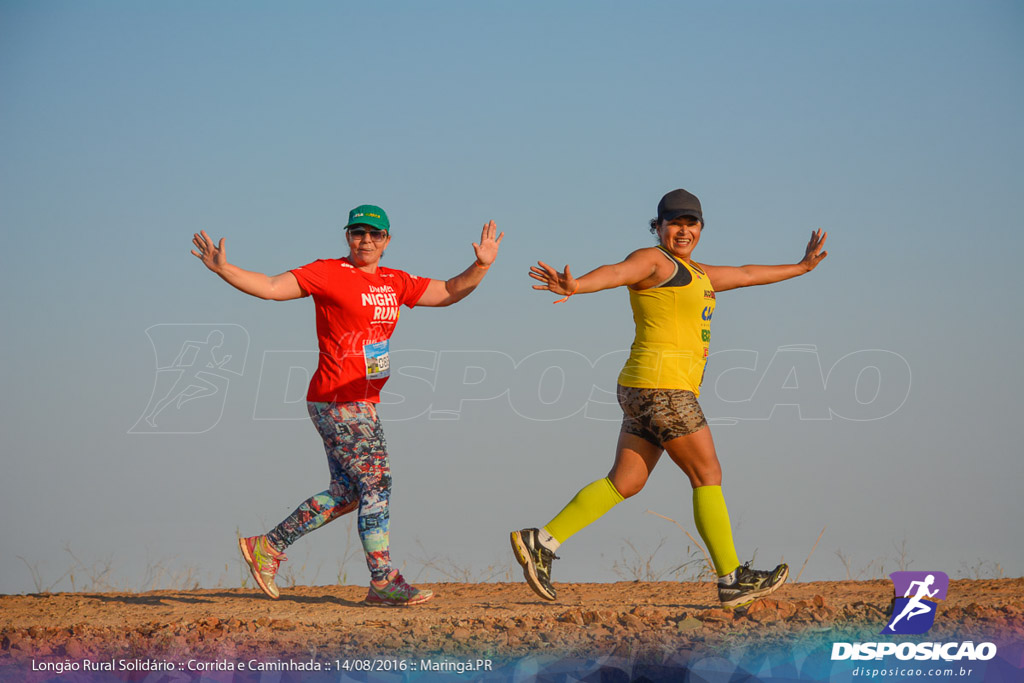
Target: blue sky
{"x": 894, "y": 126}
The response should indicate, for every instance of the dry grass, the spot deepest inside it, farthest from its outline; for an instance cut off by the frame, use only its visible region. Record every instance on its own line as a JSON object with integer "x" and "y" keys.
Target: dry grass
{"x": 633, "y": 563}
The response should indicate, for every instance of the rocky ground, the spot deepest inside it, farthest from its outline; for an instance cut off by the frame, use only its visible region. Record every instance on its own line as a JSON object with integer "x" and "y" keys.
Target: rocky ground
{"x": 653, "y": 622}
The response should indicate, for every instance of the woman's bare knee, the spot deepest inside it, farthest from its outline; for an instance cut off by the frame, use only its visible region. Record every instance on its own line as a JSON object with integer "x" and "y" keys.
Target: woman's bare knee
{"x": 627, "y": 486}
{"x": 710, "y": 477}
{"x": 635, "y": 459}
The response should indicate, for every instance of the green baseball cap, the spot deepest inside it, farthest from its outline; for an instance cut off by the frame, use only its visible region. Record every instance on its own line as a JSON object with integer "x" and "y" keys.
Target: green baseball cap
{"x": 368, "y": 214}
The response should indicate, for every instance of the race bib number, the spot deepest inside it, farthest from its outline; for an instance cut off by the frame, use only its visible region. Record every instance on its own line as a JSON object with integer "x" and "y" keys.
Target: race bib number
{"x": 378, "y": 363}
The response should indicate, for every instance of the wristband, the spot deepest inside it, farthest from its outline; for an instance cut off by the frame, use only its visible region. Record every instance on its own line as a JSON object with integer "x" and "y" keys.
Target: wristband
{"x": 477, "y": 264}
{"x": 566, "y": 297}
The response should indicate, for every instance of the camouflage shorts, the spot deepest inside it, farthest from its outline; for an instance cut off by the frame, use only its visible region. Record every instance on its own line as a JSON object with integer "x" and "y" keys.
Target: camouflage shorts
{"x": 659, "y": 415}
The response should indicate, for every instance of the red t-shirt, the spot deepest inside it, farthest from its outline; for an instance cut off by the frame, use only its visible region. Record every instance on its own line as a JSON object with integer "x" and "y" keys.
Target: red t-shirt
{"x": 356, "y": 313}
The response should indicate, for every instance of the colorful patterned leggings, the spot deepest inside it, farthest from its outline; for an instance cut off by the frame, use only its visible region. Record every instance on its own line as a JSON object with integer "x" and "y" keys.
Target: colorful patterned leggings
{"x": 360, "y": 476}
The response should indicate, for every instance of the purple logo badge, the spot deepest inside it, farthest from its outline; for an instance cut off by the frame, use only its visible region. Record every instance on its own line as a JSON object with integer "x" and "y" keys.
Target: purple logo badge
{"x": 917, "y": 596}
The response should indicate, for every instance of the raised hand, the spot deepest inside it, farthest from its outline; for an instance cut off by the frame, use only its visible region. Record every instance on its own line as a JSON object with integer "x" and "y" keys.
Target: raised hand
{"x": 487, "y": 248}
{"x": 813, "y": 254}
{"x": 560, "y": 283}
{"x": 213, "y": 256}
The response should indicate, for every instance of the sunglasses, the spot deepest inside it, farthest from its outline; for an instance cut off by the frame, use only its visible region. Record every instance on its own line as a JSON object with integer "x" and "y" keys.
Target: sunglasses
{"x": 375, "y": 235}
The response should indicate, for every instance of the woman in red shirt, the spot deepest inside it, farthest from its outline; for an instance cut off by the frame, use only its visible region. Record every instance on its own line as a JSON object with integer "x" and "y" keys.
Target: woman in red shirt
{"x": 357, "y": 302}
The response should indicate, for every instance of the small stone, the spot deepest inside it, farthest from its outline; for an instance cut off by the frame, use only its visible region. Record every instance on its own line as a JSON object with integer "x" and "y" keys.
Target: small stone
{"x": 768, "y": 616}
{"x": 786, "y": 610}
{"x": 631, "y": 621}
{"x": 715, "y": 614}
{"x": 757, "y": 606}
{"x": 688, "y": 624}
{"x": 622, "y": 650}
{"x": 649, "y": 612}
{"x": 74, "y": 649}
{"x": 821, "y": 614}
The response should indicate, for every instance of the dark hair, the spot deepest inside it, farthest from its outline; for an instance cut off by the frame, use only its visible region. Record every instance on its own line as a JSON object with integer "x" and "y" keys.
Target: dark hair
{"x": 655, "y": 222}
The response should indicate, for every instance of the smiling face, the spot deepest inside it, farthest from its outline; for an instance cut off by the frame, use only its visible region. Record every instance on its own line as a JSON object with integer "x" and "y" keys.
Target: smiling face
{"x": 366, "y": 245}
{"x": 680, "y": 235}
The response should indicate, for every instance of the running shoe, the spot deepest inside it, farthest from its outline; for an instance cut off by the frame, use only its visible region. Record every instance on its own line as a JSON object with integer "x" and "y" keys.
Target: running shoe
{"x": 536, "y": 562}
{"x": 263, "y": 561}
{"x": 751, "y": 584}
{"x": 396, "y": 593}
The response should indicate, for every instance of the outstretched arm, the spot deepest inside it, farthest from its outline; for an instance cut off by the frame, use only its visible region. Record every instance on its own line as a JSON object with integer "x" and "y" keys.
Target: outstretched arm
{"x": 639, "y": 266}
{"x": 447, "y": 292}
{"x": 724, "y": 278}
{"x": 214, "y": 256}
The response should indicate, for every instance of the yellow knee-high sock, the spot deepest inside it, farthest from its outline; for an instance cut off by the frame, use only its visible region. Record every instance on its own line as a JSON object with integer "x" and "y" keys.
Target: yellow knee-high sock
{"x": 592, "y": 501}
{"x": 712, "y": 519}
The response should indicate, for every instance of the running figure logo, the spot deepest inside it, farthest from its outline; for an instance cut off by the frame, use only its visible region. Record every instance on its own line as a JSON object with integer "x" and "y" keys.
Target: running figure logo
{"x": 194, "y": 364}
{"x": 914, "y": 612}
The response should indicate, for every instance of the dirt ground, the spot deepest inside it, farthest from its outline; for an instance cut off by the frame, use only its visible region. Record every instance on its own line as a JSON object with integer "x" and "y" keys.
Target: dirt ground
{"x": 655, "y": 622}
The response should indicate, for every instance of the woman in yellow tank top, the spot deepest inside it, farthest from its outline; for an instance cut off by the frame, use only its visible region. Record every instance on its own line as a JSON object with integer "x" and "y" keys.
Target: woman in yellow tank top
{"x": 673, "y": 300}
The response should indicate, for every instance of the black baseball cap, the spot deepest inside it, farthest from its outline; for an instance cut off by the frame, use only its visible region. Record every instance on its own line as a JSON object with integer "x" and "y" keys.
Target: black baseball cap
{"x": 679, "y": 203}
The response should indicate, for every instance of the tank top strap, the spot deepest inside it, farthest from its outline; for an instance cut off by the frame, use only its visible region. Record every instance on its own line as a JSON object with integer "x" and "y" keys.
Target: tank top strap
{"x": 681, "y": 276}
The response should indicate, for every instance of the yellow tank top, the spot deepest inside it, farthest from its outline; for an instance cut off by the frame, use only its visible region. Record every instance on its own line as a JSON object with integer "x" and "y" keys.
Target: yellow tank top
{"x": 673, "y": 330}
